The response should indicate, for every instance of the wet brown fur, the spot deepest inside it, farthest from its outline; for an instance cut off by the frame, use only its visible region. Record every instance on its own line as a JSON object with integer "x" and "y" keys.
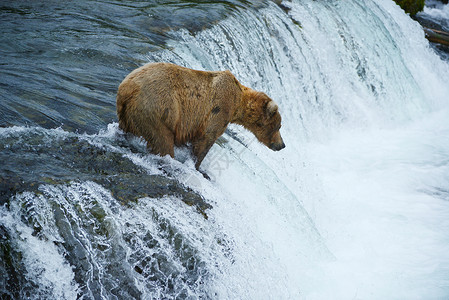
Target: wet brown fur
{"x": 171, "y": 105}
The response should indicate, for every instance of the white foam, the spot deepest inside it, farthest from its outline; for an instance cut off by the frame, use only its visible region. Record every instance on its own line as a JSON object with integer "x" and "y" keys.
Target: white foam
{"x": 437, "y": 10}
{"x": 45, "y": 265}
{"x": 382, "y": 217}
{"x": 354, "y": 80}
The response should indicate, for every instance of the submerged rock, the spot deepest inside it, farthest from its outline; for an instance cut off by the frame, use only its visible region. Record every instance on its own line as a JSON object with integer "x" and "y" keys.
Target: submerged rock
{"x": 64, "y": 158}
{"x": 11, "y": 268}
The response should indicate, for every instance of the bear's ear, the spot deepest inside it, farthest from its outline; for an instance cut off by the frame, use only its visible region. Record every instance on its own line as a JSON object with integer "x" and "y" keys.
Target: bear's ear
{"x": 272, "y": 108}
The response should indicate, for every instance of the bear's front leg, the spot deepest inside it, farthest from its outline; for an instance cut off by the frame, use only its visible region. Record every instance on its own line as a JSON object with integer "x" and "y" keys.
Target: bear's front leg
{"x": 200, "y": 148}
{"x": 216, "y": 126}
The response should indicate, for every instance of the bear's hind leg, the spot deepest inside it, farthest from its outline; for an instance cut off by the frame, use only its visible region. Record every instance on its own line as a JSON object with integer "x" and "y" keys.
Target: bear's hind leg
{"x": 161, "y": 141}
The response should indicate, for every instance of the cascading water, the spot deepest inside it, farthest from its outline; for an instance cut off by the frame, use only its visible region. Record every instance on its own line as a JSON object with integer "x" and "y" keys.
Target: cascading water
{"x": 355, "y": 207}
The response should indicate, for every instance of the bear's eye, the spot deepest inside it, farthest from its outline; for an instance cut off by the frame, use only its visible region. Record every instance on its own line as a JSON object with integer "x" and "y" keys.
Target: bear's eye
{"x": 259, "y": 124}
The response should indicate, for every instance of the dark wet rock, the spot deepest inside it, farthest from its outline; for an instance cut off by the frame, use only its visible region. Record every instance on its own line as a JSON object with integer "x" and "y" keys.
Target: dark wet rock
{"x": 60, "y": 160}
{"x": 12, "y": 280}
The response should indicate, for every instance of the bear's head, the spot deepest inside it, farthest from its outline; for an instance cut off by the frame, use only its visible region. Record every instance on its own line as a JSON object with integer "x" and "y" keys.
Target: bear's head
{"x": 264, "y": 120}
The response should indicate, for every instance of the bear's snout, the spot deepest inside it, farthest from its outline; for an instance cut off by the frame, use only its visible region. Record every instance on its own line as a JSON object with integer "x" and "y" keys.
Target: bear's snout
{"x": 277, "y": 146}
{"x": 277, "y": 143}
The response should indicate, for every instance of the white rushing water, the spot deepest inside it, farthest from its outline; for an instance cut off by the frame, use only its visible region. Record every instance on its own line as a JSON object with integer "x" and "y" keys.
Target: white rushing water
{"x": 364, "y": 103}
{"x": 355, "y": 207}
{"x": 437, "y": 10}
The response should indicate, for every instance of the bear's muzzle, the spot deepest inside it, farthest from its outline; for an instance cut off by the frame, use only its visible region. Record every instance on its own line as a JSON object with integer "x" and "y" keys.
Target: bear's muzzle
{"x": 277, "y": 146}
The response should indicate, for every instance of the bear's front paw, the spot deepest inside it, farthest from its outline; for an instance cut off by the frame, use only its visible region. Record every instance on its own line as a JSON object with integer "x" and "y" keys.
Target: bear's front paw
{"x": 205, "y": 175}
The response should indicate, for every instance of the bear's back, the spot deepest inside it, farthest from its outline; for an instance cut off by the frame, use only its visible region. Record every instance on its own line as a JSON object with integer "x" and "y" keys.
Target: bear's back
{"x": 182, "y": 97}
{"x": 165, "y": 81}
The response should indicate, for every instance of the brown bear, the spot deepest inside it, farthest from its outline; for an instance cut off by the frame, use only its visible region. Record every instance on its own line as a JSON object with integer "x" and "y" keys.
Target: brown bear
{"x": 171, "y": 105}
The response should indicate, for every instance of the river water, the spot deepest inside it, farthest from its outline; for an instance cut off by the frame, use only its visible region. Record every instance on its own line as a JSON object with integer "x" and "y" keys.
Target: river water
{"x": 355, "y": 207}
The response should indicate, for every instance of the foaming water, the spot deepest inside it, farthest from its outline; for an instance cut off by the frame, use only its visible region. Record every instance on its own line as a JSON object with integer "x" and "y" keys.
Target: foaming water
{"x": 386, "y": 214}
{"x": 438, "y": 11}
{"x": 47, "y": 272}
{"x": 356, "y": 82}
